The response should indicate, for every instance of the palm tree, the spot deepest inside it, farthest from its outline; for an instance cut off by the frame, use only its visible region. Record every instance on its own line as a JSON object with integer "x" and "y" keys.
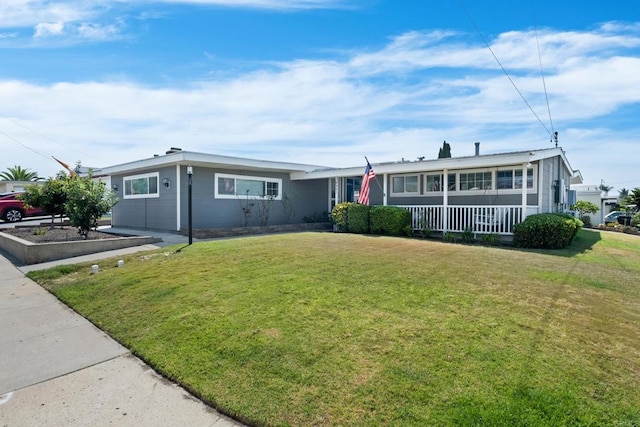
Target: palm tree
{"x": 634, "y": 199}
{"x": 623, "y": 193}
{"x": 18, "y": 173}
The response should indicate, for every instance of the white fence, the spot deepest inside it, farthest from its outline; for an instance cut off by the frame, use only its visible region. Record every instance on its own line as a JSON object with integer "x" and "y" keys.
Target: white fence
{"x": 478, "y": 219}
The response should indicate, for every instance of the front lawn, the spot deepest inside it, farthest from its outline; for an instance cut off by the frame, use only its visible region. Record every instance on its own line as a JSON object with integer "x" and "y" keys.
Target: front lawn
{"x": 341, "y": 329}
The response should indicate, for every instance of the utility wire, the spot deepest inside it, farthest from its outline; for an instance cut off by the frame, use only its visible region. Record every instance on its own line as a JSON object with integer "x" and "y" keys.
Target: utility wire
{"x": 46, "y": 137}
{"x": 544, "y": 83}
{"x": 502, "y": 67}
{"x": 24, "y": 145}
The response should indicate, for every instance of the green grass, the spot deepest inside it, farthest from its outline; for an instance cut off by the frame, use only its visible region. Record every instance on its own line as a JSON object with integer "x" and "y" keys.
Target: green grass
{"x": 340, "y": 329}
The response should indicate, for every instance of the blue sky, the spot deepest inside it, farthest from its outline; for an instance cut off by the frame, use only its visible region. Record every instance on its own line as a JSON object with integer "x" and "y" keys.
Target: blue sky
{"x": 319, "y": 81}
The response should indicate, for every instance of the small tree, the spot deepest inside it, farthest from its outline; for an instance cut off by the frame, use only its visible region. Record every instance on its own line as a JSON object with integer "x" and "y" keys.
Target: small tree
{"x": 633, "y": 200}
{"x": 288, "y": 205}
{"x": 583, "y": 208}
{"x": 445, "y": 151}
{"x": 87, "y": 201}
{"x": 245, "y": 208}
{"x": 50, "y": 197}
{"x": 264, "y": 208}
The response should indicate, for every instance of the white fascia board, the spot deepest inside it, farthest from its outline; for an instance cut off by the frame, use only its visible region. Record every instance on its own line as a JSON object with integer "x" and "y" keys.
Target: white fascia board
{"x": 206, "y": 160}
{"x": 419, "y": 166}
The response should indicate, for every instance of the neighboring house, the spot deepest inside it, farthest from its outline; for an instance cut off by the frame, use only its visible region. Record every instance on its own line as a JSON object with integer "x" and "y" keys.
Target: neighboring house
{"x": 16, "y": 186}
{"x": 484, "y": 193}
{"x": 593, "y": 193}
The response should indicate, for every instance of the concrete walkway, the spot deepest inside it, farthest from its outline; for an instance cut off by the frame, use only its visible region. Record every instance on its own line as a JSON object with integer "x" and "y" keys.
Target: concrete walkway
{"x": 56, "y": 368}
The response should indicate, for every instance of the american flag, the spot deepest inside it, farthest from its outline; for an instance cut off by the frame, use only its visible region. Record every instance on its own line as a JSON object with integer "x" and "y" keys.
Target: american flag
{"x": 369, "y": 174}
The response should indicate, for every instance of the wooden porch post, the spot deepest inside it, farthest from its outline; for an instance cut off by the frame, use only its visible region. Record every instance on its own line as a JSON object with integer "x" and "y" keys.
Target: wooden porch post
{"x": 445, "y": 200}
{"x": 384, "y": 190}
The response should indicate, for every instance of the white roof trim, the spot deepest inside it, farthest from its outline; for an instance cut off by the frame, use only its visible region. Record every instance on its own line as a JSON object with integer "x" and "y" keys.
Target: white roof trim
{"x": 205, "y": 160}
{"x": 451, "y": 163}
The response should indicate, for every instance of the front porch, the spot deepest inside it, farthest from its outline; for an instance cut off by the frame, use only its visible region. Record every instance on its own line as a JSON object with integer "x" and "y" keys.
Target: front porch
{"x": 479, "y": 219}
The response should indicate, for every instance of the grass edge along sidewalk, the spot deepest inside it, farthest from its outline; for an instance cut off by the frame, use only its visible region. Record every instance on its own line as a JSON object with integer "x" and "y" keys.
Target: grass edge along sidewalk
{"x": 340, "y": 329}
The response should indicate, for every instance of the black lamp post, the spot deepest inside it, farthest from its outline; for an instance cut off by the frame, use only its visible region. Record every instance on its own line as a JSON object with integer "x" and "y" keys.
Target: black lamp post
{"x": 190, "y": 202}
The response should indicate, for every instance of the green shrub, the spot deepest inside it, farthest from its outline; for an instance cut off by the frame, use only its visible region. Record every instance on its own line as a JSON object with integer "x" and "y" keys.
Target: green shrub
{"x": 339, "y": 215}
{"x": 390, "y": 220}
{"x": 586, "y": 219}
{"x": 546, "y": 231}
{"x": 491, "y": 239}
{"x": 449, "y": 237}
{"x": 635, "y": 220}
{"x": 358, "y": 218}
{"x": 467, "y": 235}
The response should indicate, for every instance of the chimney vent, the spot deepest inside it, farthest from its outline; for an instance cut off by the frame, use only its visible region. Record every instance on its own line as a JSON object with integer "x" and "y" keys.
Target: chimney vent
{"x": 477, "y": 148}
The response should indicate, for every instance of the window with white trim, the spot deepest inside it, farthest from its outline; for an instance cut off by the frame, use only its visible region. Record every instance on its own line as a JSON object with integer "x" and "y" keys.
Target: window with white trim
{"x": 435, "y": 183}
{"x": 518, "y": 178}
{"x": 476, "y": 181}
{"x": 141, "y": 186}
{"x": 234, "y": 186}
{"x": 405, "y": 185}
{"x": 511, "y": 179}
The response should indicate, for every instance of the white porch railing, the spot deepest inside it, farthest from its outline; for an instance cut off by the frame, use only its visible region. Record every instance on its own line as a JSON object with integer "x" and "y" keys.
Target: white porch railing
{"x": 478, "y": 219}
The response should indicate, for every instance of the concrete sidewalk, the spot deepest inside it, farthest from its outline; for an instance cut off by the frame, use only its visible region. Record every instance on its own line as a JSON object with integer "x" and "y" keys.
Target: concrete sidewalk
{"x": 56, "y": 368}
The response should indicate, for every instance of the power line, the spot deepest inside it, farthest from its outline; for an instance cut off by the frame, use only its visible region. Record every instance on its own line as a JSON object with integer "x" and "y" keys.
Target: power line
{"x": 502, "y": 67}
{"x": 24, "y": 145}
{"x": 47, "y": 137}
{"x": 544, "y": 83}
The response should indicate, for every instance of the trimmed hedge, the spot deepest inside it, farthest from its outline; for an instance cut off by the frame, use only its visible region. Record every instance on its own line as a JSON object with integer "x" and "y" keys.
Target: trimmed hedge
{"x": 339, "y": 215}
{"x": 358, "y": 219}
{"x": 546, "y": 231}
{"x": 354, "y": 218}
{"x": 390, "y": 220}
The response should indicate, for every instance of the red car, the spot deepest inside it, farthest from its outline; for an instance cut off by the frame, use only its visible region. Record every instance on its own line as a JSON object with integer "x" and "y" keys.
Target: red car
{"x": 13, "y": 210}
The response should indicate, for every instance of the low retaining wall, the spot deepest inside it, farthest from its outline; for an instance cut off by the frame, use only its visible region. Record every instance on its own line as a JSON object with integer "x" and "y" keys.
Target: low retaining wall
{"x": 212, "y": 233}
{"x": 35, "y": 253}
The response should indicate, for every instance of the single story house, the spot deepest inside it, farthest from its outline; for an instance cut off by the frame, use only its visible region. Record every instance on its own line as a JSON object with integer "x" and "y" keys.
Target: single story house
{"x": 484, "y": 193}
{"x": 594, "y": 194}
{"x": 16, "y": 186}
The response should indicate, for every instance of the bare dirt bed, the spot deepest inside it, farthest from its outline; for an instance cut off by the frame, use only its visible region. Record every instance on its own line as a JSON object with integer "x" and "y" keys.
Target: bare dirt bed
{"x": 58, "y": 234}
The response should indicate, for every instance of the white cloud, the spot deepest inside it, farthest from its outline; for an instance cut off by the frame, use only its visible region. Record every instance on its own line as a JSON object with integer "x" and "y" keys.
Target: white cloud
{"x": 261, "y": 4}
{"x": 48, "y": 29}
{"x": 29, "y": 13}
{"x": 334, "y": 112}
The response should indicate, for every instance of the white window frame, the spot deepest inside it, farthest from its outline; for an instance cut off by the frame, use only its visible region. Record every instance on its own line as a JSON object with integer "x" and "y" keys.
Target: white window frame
{"x": 515, "y": 169}
{"x": 406, "y": 193}
{"x": 476, "y": 171}
{"x": 155, "y": 175}
{"x": 430, "y": 192}
{"x": 265, "y": 180}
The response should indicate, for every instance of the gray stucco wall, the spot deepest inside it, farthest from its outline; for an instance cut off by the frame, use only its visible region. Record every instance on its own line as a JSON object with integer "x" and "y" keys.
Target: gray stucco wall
{"x": 308, "y": 198}
{"x": 157, "y": 213}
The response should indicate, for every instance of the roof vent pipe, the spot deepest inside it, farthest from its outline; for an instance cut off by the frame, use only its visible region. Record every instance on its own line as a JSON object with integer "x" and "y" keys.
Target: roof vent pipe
{"x": 477, "y": 148}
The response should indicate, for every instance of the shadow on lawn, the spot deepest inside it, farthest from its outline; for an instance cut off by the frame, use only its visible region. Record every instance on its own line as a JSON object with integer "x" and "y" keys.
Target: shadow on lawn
{"x": 583, "y": 243}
